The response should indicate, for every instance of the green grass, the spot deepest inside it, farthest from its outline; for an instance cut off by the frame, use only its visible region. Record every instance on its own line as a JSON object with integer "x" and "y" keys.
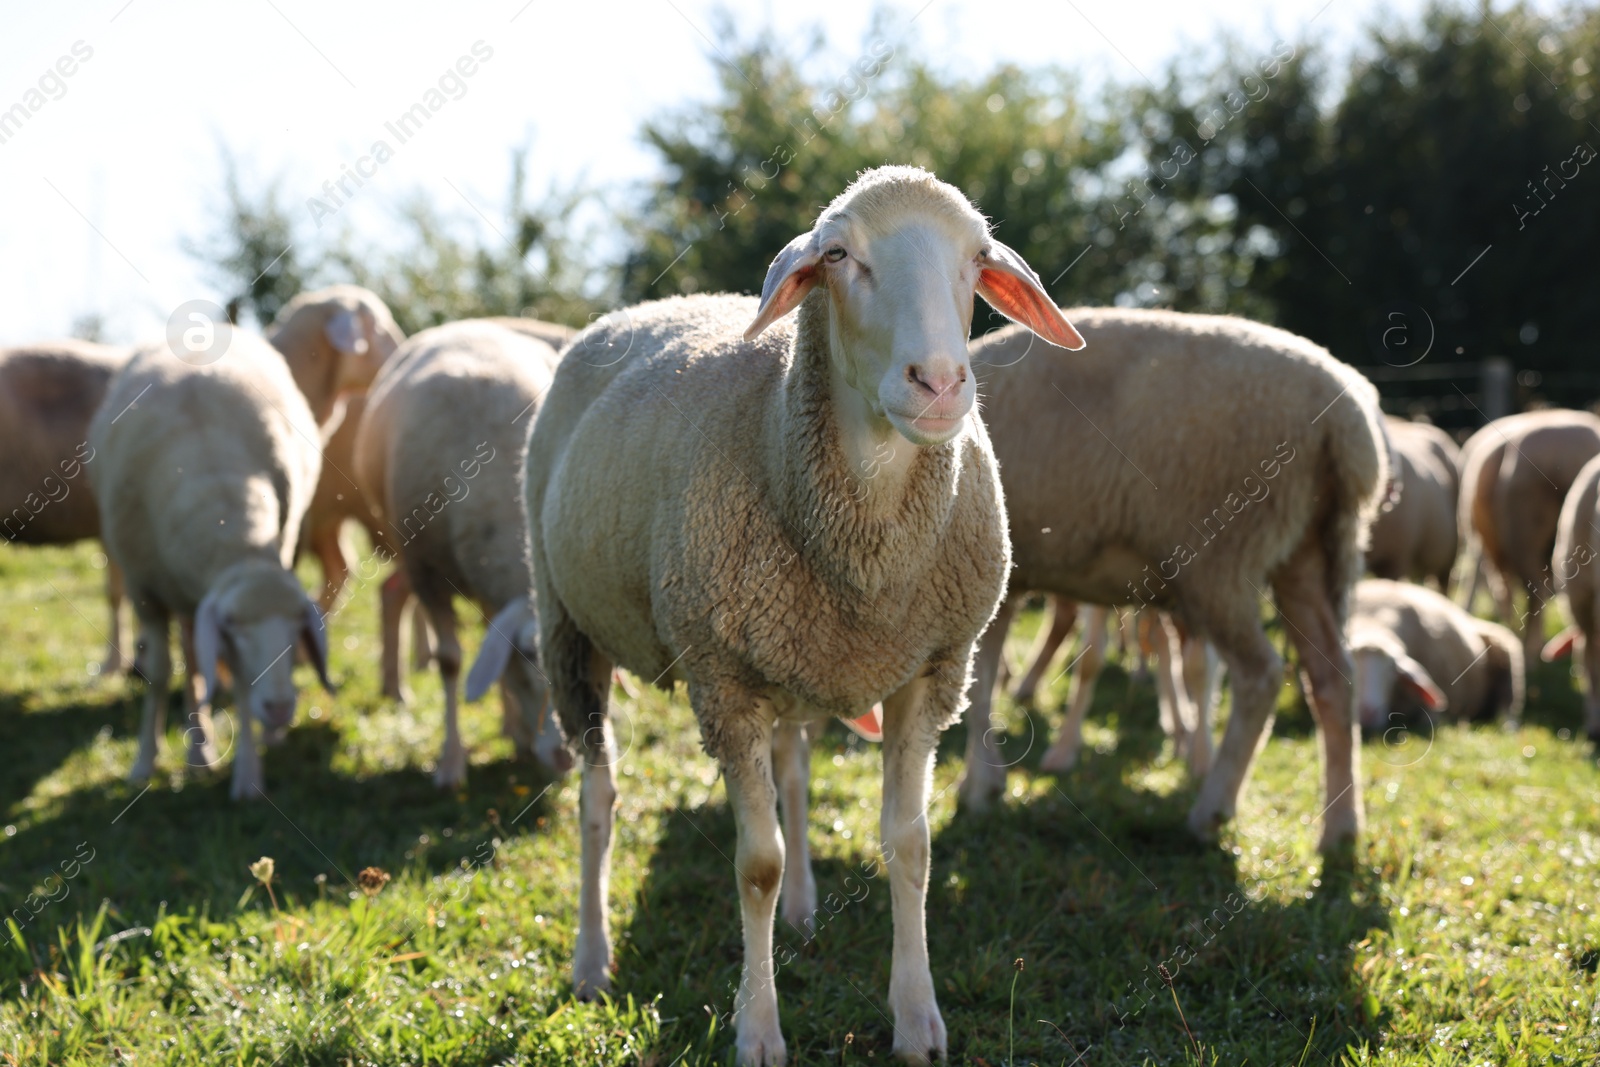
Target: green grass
{"x": 1461, "y": 931}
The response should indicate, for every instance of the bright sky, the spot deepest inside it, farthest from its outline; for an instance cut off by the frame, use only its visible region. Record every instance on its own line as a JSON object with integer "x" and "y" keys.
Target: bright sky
{"x": 118, "y": 163}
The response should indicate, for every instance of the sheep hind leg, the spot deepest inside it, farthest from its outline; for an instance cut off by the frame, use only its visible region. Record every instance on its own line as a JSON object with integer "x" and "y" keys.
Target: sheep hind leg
{"x": 1256, "y": 670}
{"x": 116, "y": 592}
{"x": 580, "y": 688}
{"x": 452, "y": 769}
{"x": 1063, "y": 617}
{"x": 910, "y": 735}
{"x": 746, "y": 759}
{"x": 1063, "y": 755}
{"x": 155, "y": 664}
{"x": 791, "y": 763}
{"x": 393, "y": 595}
{"x": 1171, "y": 689}
{"x": 1301, "y": 591}
{"x": 983, "y": 780}
{"x": 1201, "y": 673}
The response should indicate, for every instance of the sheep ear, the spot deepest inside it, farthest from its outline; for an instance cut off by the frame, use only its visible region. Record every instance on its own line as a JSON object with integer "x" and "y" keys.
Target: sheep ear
{"x": 1013, "y": 289}
{"x": 868, "y": 727}
{"x": 314, "y": 632}
{"x": 495, "y": 652}
{"x": 1414, "y": 677}
{"x": 792, "y": 275}
{"x": 345, "y": 332}
{"x": 207, "y": 644}
{"x": 1560, "y": 645}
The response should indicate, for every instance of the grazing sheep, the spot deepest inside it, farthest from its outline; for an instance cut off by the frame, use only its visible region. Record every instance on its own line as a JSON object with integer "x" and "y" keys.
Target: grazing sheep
{"x": 1573, "y": 563}
{"x": 440, "y": 449}
{"x": 203, "y": 474}
{"x": 334, "y": 341}
{"x": 1416, "y": 538}
{"x": 1515, "y": 475}
{"x": 797, "y": 521}
{"x": 1192, "y": 463}
{"x": 48, "y": 394}
{"x": 1412, "y": 645}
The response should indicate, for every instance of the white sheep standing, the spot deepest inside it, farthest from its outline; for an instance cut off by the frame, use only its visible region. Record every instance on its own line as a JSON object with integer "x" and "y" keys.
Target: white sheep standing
{"x": 1191, "y": 463}
{"x": 1415, "y": 647}
{"x": 797, "y": 521}
{"x": 440, "y": 447}
{"x": 1416, "y": 538}
{"x": 334, "y": 340}
{"x": 48, "y": 394}
{"x": 203, "y": 475}
{"x": 1515, "y": 475}
{"x": 1575, "y": 570}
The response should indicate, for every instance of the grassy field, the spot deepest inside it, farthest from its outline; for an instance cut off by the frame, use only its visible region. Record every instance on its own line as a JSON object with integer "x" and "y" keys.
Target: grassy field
{"x": 1461, "y": 931}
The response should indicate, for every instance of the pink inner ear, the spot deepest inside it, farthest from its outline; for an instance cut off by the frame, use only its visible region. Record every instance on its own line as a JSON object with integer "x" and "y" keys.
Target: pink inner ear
{"x": 791, "y": 290}
{"x": 1560, "y": 645}
{"x": 1021, "y": 302}
{"x": 1430, "y": 696}
{"x": 868, "y": 727}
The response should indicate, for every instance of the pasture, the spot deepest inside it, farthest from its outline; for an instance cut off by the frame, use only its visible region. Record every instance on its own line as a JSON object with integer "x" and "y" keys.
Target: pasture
{"x": 1461, "y": 929}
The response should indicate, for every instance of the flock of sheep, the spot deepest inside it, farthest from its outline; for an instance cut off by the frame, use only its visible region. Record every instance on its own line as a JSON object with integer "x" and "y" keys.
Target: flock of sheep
{"x": 803, "y": 517}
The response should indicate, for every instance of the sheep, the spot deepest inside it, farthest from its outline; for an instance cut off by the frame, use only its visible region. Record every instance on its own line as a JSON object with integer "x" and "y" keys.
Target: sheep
{"x": 334, "y": 340}
{"x": 1413, "y": 646}
{"x": 1573, "y": 564}
{"x": 1515, "y": 475}
{"x": 798, "y": 522}
{"x": 48, "y": 393}
{"x": 1416, "y": 538}
{"x": 203, "y": 475}
{"x": 1191, "y": 462}
{"x": 440, "y": 448}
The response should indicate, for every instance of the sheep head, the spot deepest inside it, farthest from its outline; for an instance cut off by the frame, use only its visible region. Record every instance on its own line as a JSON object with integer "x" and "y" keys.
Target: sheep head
{"x": 901, "y": 255}
{"x": 253, "y": 616}
{"x": 1382, "y": 667}
{"x": 334, "y": 340}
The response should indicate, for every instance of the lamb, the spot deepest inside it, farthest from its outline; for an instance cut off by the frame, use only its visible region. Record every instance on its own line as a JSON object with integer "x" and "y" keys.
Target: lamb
{"x": 1417, "y": 538}
{"x": 440, "y": 448}
{"x": 1573, "y": 563}
{"x": 203, "y": 475}
{"x": 1190, "y": 463}
{"x": 1413, "y": 646}
{"x": 48, "y": 393}
{"x": 1516, "y": 472}
{"x": 798, "y": 522}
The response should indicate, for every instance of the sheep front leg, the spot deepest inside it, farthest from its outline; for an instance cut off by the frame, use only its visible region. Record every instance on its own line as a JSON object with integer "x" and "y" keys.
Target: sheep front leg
{"x": 248, "y": 781}
{"x": 791, "y": 762}
{"x": 1063, "y": 755}
{"x": 155, "y": 663}
{"x": 759, "y": 862}
{"x": 910, "y": 735}
{"x": 1063, "y": 617}
{"x": 984, "y": 778}
{"x": 202, "y": 750}
{"x": 1200, "y": 673}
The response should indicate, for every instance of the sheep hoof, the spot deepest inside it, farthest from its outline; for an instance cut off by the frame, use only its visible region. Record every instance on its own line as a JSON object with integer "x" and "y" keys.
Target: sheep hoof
{"x": 919, "y": 1034}
{"x": 1205, "y": 820}
{"x": 1059, "y": 759}
{"x": 1023, "y": 697}
{"x": 450, "y": 777}
{"x": 760, "y": 1042}
{"x": 800, "y": 904}
{"x": 591, "y": 974}
{"x": 977, "y": 793}
{"x": 1339, "y": 831}
{"x": 202, "y": 756}
{"x": 247, "y": 789}
{"x": 141, "y": 772}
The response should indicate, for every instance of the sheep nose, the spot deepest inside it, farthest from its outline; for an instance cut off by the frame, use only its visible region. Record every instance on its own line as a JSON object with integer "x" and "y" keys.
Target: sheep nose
{"x": 939, "y": 379}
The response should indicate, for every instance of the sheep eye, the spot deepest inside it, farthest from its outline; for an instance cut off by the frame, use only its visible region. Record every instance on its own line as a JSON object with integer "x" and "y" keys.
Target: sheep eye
{"x": 834, "y": 255}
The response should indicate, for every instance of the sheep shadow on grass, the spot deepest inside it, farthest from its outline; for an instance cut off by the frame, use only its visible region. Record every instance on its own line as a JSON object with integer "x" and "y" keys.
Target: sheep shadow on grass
{"x": 1092, "y": 885}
